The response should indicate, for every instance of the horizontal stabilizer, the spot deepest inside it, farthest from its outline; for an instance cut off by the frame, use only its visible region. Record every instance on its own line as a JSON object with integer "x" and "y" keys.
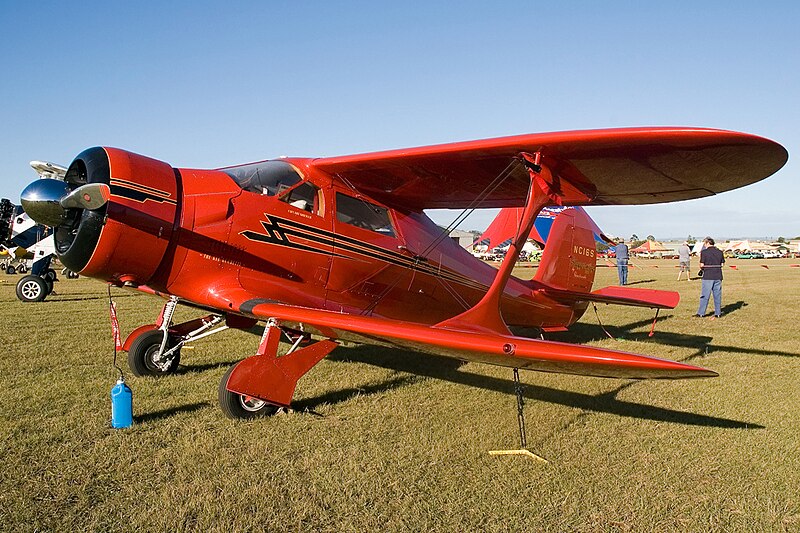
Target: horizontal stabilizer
{"x": 621, "y": 296}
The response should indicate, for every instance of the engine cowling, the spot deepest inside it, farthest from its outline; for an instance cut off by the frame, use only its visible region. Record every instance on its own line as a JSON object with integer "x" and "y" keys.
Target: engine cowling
{"x": 125, "y": 239}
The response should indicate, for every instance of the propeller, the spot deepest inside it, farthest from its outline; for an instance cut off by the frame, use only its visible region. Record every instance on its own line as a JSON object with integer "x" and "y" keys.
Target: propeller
{"x": 47, "y": 200}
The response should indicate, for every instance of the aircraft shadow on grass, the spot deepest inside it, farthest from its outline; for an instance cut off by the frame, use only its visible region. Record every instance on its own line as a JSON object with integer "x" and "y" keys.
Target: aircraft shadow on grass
{"x": 172, "y": 411}
{"x": 195, "y": 369}
{"x": 583, "y": 333}
{"x": 637, "y": 282}
{"x": 448, "y": 370}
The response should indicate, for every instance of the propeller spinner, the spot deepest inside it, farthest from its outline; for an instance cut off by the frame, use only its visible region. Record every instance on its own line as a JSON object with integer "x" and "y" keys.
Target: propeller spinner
{"x": 47, "y": 200}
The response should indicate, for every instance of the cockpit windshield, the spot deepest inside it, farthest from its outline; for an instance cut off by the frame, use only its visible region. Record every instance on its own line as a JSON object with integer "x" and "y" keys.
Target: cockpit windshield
{"x": 267, "y": 177}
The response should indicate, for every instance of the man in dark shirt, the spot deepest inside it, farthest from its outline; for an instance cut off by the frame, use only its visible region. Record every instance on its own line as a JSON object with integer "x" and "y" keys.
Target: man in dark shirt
{"x": 621, "y": 251}
{"x": 711, "y": 260}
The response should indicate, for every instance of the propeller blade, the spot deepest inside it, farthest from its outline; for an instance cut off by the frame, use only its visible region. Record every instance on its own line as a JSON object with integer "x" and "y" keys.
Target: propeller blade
{"x": 89, "y": 196}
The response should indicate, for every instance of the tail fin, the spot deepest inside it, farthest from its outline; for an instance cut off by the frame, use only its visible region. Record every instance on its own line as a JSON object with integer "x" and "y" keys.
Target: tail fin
{"x": 569, "y": 257}
{"x": 568, "y": 265}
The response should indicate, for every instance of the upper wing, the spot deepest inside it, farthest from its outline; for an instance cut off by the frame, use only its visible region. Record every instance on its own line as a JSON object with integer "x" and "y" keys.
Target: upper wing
{"x": 484, "y": 347}
{"x": 614, "y": 166}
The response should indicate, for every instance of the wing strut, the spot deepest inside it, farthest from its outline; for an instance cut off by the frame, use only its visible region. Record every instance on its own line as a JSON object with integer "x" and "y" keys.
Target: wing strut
{"x": 545, "y": 189}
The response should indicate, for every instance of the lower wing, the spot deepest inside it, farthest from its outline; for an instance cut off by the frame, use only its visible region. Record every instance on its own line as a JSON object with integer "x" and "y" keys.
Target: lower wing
{"x": 483, "y": 347}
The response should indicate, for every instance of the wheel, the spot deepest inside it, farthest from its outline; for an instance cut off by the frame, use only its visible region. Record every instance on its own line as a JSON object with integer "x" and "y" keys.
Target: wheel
{"x": 31, "y": 289}
{"x": 22, "y": 269}
{"x": 49, "y": 283}
{"x": 144, "y": 349}
{"x": 3, "y": 266}
{"x": 239, "y": 406}
{"x": 11, "y": 270}
{"x": 50, "y": 274}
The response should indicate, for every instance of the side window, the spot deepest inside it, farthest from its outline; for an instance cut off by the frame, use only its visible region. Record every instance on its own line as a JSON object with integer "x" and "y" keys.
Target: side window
{"x": 363, "y": 214}
{"x": 302, "y": 197}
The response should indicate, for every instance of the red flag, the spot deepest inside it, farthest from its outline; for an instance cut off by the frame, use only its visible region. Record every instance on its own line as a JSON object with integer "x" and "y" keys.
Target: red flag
{"x": 115, "y": 325}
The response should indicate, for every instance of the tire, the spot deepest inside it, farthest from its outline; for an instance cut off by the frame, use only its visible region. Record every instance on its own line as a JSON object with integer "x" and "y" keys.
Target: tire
{"x": 3, "y": 266}
{"x": 240, "y": 407}
{"x": 31, "y": 289}
{"x": 141, "y": 357}
{"x": 11, "y": 270}
{"x": 49, "y": 283}
{"x": 50, "y": 274}
{"x": 22, "y": 269}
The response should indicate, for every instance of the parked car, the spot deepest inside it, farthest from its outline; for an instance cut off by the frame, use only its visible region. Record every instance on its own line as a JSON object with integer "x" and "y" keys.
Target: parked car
{"x": 771, "y": 254}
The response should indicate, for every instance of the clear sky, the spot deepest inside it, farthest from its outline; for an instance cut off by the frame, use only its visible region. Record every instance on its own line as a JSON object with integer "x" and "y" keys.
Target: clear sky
{"x": 205, "y": 84}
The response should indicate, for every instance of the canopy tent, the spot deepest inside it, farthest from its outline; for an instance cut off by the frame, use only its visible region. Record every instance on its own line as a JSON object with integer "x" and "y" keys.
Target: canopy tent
{"x": 651, "y": 246}
{"x": 747, "y": 246}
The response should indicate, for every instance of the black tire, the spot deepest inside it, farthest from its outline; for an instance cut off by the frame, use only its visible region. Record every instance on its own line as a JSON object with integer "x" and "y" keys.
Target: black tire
{"x": 238, "y": 406}
{"x": 22, "y": 269}
{"x": 11, "y": 270}
{"x": 50, "y": 274}
{"x": 141, "y": 357}
{"x": 49, "y": 283}
{"x": 3, "y": 266}
{"x": 31, "y": 289}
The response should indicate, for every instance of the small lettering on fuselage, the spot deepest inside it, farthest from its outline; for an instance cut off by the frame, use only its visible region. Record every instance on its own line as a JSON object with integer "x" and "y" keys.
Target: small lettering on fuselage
{"x": 228, "y": 261}
{"x": 583, "y": 250}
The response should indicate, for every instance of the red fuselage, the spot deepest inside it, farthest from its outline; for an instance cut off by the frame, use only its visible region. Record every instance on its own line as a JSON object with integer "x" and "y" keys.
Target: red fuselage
{"x": 298, "y": 236}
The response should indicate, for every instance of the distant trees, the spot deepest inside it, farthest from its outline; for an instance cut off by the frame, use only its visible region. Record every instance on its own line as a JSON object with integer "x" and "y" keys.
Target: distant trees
{"x": 781, "y": 239}
{"x": 602, "y": 246}
{"x": 650, "y": 238}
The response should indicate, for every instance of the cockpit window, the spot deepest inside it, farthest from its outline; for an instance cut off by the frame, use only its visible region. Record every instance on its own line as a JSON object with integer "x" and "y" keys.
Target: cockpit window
{"x": 302, "y": 197}
{"x": 267, "y": 177}
{"x": 363, "y": 214}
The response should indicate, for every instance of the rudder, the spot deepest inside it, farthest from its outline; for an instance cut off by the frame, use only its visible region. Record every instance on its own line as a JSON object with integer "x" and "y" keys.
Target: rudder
{"x": 570, "y": 255}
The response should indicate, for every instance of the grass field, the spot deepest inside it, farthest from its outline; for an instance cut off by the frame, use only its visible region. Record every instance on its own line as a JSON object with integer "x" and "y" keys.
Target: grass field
{"x": 395, "y": 441}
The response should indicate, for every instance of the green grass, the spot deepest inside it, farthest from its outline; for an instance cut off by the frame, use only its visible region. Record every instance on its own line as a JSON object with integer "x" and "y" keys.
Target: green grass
{"x": 393, "y": 440}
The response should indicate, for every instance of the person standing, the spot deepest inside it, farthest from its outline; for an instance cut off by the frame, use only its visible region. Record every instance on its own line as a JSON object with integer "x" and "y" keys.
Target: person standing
{"x": 711, "y": 260}
{"x": 621, "y": 252}
{"x": 684, "y": 254}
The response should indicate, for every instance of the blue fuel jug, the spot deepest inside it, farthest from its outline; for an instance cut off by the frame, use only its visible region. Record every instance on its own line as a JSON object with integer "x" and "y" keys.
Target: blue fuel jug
{"x": 121, "y": 405}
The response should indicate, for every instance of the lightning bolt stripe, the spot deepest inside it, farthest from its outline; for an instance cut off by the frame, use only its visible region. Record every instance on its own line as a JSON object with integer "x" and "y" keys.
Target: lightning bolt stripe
{"x": 279, "y": 230}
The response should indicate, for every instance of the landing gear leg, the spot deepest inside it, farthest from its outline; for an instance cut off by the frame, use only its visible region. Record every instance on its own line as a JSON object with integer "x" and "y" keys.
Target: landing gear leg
{"x": 266, "y": 379}
{"x": 523, "y": 441}
{"x": 155, "y": 349}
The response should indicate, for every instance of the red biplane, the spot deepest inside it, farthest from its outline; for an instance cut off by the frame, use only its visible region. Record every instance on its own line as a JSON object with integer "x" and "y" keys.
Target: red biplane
{"x": 339, "y": 248}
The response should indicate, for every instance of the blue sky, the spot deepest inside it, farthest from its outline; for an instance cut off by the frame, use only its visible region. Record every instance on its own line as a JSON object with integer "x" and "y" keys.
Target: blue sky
{"x": 204, "y": 84}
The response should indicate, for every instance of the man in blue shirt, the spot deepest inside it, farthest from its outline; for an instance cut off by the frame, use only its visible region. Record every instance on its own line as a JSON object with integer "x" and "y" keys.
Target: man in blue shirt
{"x": 711, "y": 260}
{"x": 621, "y": 251}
